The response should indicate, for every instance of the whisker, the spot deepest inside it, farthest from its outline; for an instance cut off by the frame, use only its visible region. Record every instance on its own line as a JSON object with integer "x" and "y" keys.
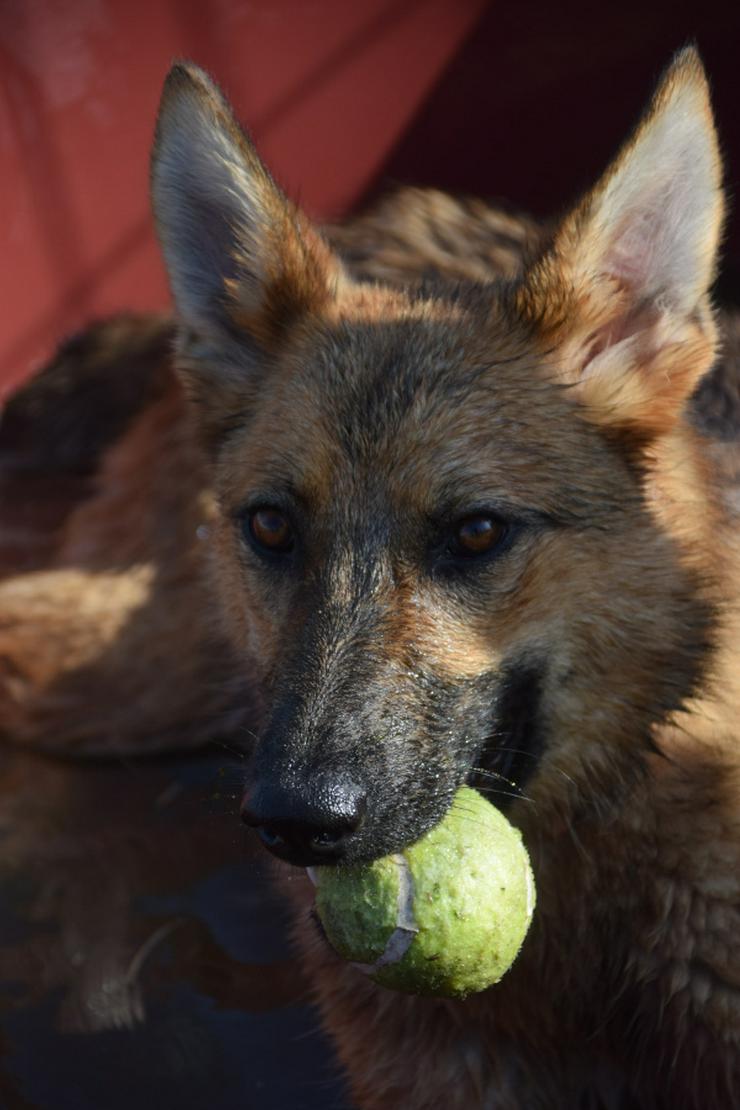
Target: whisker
{"x": 491, "y": 790}
{"x": 488, "y": 773}
{"x": 232, "y": 751}
{"x": 249, "y": 732}
{"x": 515, "y": 751}
{"x": 530, "y": 755}
{"x": 469, "y": 815}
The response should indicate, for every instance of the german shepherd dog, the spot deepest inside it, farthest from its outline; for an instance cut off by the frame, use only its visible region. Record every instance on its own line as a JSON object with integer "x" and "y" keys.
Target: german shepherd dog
{"x": 470, "y": 515}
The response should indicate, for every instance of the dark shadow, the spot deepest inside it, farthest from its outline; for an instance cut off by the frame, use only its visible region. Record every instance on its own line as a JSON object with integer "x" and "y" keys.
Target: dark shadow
{"x": 541, "y": 96}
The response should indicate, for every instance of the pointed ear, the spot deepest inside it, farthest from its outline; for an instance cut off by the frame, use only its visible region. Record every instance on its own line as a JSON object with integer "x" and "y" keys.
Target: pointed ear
{"x": 244, "y": 264}
{"x": 622, "y": 296}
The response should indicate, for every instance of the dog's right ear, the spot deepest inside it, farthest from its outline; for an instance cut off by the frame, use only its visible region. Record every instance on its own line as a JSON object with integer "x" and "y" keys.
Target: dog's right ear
{"x": 621, "y": 300}
{"x": 243, "y": 262}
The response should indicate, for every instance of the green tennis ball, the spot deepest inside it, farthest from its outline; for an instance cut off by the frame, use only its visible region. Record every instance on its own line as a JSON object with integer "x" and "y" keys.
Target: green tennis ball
{"x": 446, "y": 916}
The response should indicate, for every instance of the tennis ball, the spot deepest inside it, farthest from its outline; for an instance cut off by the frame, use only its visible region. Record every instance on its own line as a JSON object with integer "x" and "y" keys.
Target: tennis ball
{"x": 446, "y": 916}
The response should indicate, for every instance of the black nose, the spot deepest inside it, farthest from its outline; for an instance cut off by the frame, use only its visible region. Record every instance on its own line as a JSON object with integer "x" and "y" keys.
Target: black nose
{"x": 307, "y": 825}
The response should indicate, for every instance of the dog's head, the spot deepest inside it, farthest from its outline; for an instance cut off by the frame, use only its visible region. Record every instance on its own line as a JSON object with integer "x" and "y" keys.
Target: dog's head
{"x": 449, "y": 538}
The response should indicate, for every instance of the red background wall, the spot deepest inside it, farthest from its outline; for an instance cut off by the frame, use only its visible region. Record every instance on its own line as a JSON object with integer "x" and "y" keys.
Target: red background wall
{"x": 526, "y": 101}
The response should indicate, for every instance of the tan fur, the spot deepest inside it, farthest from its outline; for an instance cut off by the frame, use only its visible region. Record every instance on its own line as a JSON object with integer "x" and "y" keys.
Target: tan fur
{"x": 628, "y": 986}
{"x": 84, "y": 629}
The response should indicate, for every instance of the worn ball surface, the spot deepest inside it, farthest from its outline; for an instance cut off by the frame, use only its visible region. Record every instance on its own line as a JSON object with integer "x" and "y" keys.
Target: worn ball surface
{"x": 446, "y": 916}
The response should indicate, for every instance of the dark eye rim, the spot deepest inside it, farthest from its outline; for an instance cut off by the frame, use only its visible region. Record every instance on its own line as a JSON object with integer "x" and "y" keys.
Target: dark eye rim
{"x": 452, "y": 558}
{"x": 269, "y": 554}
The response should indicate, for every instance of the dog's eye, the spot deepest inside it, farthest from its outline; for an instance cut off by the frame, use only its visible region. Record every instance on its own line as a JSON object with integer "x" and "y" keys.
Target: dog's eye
{"x": 477, "y": 535}
{"x": 270, "y": 530}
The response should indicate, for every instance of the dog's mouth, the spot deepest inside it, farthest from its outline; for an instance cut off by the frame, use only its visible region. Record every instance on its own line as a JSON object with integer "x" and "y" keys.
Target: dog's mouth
{"x": 324, "y": 811}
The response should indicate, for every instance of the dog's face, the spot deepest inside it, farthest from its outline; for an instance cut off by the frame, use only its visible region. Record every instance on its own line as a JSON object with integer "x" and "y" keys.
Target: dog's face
{"x": 436, "y": 540}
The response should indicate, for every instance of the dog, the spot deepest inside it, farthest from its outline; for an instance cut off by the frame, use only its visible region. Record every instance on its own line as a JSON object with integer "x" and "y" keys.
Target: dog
{"x": 441, "y": 497}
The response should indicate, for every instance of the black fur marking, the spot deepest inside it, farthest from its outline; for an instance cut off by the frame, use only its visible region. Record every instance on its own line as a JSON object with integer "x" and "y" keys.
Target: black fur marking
{"x": 518, "y": 744}
{"x": 65, "y": 418}
{"x": 392, "y": 371}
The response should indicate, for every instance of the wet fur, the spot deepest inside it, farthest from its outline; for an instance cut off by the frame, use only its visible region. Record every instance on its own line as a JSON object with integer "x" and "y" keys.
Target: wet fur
{"x": 596, "y": 669}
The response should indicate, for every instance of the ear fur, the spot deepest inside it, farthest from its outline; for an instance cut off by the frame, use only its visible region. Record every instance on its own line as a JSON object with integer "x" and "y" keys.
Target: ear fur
{"x": 243, "y": 262}
{"x": 622, "y": 295}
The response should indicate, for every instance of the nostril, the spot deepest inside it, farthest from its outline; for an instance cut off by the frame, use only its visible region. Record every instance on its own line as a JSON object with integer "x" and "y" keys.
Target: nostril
{"x": 270, "y": 837}
{"x": 305, "y": 825}
{"x": 327, "y": 840}
{"x": 248, "y": 815}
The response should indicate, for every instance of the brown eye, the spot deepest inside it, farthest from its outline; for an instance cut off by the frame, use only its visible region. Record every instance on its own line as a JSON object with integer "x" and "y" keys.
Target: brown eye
{"x": 270, "y": 530}
{"x": 477, "y": 535}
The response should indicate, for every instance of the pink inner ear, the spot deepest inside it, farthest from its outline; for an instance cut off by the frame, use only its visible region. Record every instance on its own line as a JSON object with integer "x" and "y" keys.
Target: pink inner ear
{"x": 631, "y": 257}
{"x": 636, "y": 318}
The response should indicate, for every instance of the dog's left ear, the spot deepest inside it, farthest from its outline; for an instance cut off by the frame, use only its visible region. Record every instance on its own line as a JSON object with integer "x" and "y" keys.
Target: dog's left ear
{"x": 621, "y": 299}
{"x": 245, "y": 265}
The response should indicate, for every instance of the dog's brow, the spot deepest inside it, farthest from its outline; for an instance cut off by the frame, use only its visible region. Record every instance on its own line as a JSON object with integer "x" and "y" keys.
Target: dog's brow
{"x": 273, "y": 488}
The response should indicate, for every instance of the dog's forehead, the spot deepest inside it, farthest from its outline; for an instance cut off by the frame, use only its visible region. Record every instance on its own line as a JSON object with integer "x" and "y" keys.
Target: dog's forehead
{"x": 422, "y": 408}
{"x": 434, "y": 380}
